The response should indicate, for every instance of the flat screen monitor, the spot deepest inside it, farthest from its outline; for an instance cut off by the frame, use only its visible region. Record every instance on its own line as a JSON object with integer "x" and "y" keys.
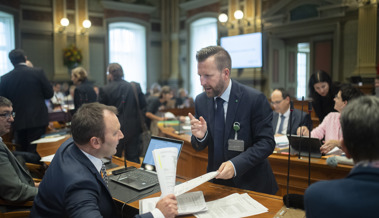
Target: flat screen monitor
{"x": 245, "y": 50}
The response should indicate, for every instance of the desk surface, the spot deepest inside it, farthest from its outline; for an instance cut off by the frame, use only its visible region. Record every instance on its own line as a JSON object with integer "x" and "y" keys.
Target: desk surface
{"x": 211, "y": 191}
{"x": 298, "y": 183}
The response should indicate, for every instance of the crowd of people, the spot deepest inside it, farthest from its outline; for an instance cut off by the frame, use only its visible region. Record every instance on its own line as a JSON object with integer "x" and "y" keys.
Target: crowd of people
{"x": 108, "y": 121}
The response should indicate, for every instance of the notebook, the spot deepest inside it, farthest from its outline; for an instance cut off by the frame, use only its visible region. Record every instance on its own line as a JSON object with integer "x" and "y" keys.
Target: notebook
{"x": 146, "y": 176}
{"x": 303, "y": 144}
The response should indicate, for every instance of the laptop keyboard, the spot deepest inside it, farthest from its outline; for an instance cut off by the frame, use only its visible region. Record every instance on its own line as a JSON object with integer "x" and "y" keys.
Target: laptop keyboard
{"x": 141, "y": 176}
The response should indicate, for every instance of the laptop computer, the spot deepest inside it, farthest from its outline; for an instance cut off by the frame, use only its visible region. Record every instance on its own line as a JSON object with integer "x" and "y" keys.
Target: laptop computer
{"x": 303, "y": 144}
{"x": 146, "y": 176}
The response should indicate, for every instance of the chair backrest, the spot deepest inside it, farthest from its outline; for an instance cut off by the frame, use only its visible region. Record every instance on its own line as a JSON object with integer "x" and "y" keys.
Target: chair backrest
{"x": 23, "y": 212}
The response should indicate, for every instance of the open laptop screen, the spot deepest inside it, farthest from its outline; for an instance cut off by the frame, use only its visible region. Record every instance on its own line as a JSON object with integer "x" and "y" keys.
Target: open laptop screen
{"x": 157, "y": 143}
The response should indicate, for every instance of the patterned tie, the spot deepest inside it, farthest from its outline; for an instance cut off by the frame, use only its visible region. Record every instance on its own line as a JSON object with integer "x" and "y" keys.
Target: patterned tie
{"x": 218, "y": 138}
{"x": 280, "y": 130}
{"x": 104, "y": 173}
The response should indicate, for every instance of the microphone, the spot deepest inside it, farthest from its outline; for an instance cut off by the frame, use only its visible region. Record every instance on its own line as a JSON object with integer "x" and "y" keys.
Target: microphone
{"x": 309, "y": 147}
{"x": 335, "y": 160}
{"x": 285, "y": 198}
{"x": 302, "y": 110}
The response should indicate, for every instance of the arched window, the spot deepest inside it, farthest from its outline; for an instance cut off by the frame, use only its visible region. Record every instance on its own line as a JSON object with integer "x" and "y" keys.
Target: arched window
{"x": 7, "y": 42}
{"x": 203, "y": 33}
{"x": 127, "y": 46}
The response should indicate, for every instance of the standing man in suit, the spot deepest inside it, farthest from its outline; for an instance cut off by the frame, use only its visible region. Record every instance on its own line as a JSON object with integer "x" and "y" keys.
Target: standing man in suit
{"x": 241, "y": 112}
{"x": 16, "y": 184}
{"x": 280, "y": 101}
{"x": 120, "y": 93}
{"x": 357, "y": 194}
{"x": 73, "y": 185}
{"x": 27, "y": 87}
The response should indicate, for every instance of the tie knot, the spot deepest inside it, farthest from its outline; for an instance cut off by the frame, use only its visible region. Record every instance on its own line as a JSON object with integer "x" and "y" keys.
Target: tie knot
{"x": 219, "y": 101}
{"x": 282, "y": 116}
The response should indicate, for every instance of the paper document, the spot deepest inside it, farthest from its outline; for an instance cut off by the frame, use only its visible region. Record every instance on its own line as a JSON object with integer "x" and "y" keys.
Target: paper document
{"x": 234, "y": 205}
{"x": 165, "y": 160}
{"x": 48, "y": 139}
{"x": 188, "y": 203}
{"x": 193, "y": 183}
{"x": 281, "y": 140}
{"x": 48, "y": 158}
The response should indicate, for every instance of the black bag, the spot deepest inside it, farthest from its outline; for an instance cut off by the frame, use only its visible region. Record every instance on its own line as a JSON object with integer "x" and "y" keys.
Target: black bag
{"x": 145, "y": 136}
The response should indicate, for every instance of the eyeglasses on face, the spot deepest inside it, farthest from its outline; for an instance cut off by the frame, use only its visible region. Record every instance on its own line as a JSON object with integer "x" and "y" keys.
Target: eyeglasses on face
{"x": 276, "y": 102}
{"x": 8, "y": 115}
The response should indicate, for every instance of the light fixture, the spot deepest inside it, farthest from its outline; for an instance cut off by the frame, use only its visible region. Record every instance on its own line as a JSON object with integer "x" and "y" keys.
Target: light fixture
{"x": 238, "y": 15}
{"x": 64, "y": 23}
{"x": 86, "y": 25}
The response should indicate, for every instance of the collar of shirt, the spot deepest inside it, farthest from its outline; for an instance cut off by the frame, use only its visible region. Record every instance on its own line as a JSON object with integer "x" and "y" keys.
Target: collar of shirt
{"x": 22, "y": 63}
{"x": 95, "y": 161}
{"x": 287, "y": 113}
{"x": 226, "y": 94}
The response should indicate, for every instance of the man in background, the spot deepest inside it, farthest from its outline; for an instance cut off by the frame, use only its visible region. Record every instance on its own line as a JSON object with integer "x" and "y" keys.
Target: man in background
{"x": 27, "y": 87}
{"x": 280, "y": 101}
{"x": 121, "y": 94}
{"x": 76, "y": 184}
{"x": 357, "y": 194}
{"x": 16, "y": 184}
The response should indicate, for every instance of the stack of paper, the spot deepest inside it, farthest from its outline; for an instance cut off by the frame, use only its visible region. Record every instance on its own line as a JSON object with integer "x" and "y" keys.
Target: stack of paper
{"x": 234, "y": 205}
{"x": 281, "y": 141}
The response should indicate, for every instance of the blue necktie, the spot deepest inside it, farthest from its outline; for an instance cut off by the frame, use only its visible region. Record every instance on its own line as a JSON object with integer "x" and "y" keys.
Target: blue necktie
{"x": 218, "y": 137}
{"x": 282, "y": 117}
{"x": 104, "y": 174}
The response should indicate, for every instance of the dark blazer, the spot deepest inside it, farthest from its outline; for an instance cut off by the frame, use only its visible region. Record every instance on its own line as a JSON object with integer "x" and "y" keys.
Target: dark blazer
{"x": 251, "y": 109}
{"x": 27, "y": 88}
{"x": 296, "y": 121}
{"x": 84, "y": 93}
{"x": 72, "y": 187}
{"x": 354, "y": 196}
{"x": 16, "y": 184}
{"x": 120, "y": 94}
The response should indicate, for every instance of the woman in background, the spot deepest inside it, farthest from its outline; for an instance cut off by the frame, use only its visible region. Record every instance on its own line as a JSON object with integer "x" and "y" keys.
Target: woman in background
{"x": 322, "y": 91}
{"x": 84, "y": 92}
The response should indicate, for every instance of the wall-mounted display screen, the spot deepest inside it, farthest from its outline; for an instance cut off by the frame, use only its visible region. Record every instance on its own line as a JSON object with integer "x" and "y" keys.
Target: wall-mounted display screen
{"x": 245, "y": 50}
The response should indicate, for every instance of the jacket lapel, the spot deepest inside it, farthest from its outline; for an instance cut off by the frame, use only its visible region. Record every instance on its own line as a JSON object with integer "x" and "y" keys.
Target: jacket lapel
{"x": 234, "y": 101}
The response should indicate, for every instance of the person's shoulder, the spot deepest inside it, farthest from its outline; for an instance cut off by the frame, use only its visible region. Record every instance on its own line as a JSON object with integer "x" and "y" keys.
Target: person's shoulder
{"x": 319, "y": 189}
{"x": 332, "y": 115}
{"x": 245, "y": 89}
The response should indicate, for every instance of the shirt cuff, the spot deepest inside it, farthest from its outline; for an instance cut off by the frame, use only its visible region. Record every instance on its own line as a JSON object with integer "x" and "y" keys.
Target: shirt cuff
{"x": 201, "y": 140}
{"x": 235, "y": 171}
{"x": 157, "y": 213}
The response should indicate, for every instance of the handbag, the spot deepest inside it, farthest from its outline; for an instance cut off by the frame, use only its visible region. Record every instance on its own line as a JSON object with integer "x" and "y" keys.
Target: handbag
{"x": 144, "y": 138}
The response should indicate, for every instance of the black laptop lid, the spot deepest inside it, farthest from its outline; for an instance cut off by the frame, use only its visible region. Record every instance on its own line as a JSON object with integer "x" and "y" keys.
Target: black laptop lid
{"x": 302, "y": 145}
{"x": 157, "y": 143}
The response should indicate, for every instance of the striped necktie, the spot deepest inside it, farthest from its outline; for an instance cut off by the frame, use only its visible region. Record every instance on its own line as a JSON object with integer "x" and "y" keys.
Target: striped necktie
{"x": 104, "y": 173}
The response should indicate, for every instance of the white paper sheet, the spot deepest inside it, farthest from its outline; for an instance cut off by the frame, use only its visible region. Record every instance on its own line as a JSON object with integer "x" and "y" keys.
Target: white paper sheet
{"x": 165, "y": 160}
{"x": 193, "y": 183}
{"x": 48, "y": 158}
{"x": 188, "y": 203}
{"x": 48, "y": 139}
{"x": 234, "y": 205}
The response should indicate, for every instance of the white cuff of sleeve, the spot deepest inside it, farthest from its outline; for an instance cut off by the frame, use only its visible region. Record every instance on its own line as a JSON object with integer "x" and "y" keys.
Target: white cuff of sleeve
{"x": 235, "y": 171}
{"x": 157, "y": 213}
{"x": 201, "y": 140}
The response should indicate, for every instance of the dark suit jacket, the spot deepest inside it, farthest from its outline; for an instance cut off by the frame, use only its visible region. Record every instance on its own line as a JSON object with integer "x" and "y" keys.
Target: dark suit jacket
{"x": 84, "y": 93}
{"x": 27, "y": 88}
{"x": 251, "y": 109}
{"x": 72, "y": 187}
{"x": 354, "y": 196}
{"x": 296, "y": 121}
{"x": 16, "y": 184}
{"x": 120, "y": 94}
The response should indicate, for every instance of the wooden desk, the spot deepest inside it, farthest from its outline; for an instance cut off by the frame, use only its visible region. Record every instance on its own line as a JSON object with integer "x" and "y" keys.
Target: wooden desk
{"x": 45, "y": 149}
{"x": 193, "y": 163}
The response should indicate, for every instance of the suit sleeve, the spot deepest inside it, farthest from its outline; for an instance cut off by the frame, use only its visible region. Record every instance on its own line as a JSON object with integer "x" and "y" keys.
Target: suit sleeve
{"x": 47, "y": 88}
{"x": 103, "y": 97}
{"x": 81, "y": 199}
{"x": 11, "y": 187}
{"x": 262, "y": 144}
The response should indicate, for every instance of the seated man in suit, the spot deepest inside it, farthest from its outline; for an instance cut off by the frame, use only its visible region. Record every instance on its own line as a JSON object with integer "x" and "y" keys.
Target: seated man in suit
{"x": 280, "y": 101}
{"x": 73, "y": 185}
{"x": 357, "y": 194}
{"x": 16, "y": 184}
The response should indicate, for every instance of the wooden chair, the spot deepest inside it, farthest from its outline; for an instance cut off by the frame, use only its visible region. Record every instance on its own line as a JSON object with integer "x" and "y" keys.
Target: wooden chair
{"x": 16, "y": 214}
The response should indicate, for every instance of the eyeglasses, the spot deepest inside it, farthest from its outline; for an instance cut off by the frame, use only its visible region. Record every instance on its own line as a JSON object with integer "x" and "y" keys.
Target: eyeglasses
{"x": 8, "y": 115}
{"x": 276, "y": 102}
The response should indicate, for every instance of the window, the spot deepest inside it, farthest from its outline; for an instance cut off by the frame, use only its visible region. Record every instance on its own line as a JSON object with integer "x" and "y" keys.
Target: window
{"x": 302, "y": 68}
{"x": 203, "y": 33}
{"x": 7, "y": 42}
{"x": 127, "y": 46}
